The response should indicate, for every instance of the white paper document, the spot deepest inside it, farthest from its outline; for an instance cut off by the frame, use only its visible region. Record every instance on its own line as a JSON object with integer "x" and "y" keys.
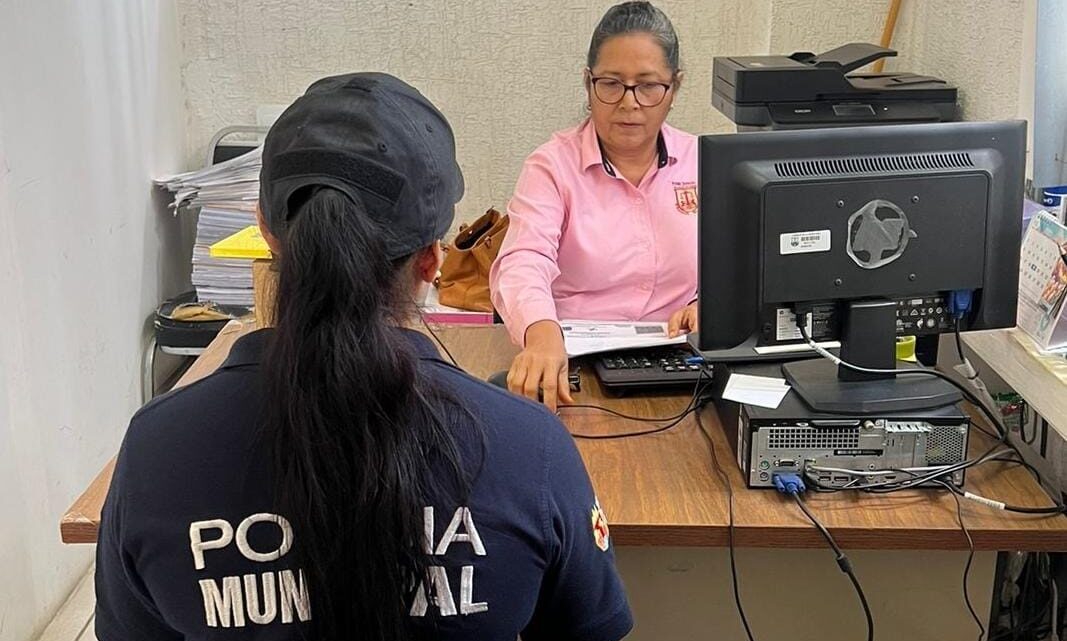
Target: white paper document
{"x": 590, "y": 337}
{"x": 763, "y": 391}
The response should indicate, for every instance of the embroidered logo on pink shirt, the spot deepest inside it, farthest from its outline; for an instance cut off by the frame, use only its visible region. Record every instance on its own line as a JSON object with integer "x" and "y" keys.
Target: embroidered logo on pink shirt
{"x": 685, "y": 197}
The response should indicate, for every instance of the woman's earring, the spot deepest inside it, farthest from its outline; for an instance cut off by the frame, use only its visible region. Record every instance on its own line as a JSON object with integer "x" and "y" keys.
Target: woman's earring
{"x": 588, "y": 107}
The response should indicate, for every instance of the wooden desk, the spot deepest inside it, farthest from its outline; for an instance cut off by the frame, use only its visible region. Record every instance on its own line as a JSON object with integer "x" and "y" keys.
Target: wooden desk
{"x": 661, "y": 490}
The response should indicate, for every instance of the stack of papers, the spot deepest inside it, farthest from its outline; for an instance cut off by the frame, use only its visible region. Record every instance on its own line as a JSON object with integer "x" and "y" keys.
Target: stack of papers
{"x": 763, "y": 391}
{"x": 226, "y": 196}
{"x": 582, "y": 337}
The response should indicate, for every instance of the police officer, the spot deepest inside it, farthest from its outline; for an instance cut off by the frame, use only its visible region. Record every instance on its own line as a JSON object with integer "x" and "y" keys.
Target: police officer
{"x": 335, "y": 478}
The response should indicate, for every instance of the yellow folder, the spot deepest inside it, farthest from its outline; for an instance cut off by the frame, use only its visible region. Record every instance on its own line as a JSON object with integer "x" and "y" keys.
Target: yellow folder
{"x": 247, "y": 243}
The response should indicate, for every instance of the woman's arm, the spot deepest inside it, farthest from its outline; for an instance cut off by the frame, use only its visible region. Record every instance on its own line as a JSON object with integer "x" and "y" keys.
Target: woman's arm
{"x": 521, "y": 278}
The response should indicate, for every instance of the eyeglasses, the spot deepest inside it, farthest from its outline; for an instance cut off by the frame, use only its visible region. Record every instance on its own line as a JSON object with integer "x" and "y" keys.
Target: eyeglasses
{"x": 611, "y": 91}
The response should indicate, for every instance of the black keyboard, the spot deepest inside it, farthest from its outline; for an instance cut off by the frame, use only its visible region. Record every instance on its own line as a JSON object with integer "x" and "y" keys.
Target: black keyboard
{"x": 648, "y": 368}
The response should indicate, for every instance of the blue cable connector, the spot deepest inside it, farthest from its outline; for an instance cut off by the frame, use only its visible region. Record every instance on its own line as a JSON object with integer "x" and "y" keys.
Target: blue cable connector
{"x": 789, "y": 483}
{"x": 959, "y": 302}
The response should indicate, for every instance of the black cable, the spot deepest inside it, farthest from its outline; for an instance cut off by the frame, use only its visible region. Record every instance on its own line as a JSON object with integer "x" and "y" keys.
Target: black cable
{"x": 608, "y": 437}
{"x": 1059, "y": 508}
{"x": 886, "y": 487}
{"x": 983, "y": 430}
{"x": 917, "y": 479}
{"x": 1020, "y": 462}
{"x": 971, "y": 379}
{"x": 842, "y": 562}
{"x": 963, "y": 358}
{"x": 970, "y": 560}
{"x": 935, "y": 476}
{"x": 675, "y": 420}
{"x": 959, "y": 342}
{"x": 994, "y": 420}
{"x": 1022, "y": 428}
{"x": 437, "y": 338}
{"x": 629, "y": 417}
{"x": 693, "y": 405}
{"x": 730, "y": 531}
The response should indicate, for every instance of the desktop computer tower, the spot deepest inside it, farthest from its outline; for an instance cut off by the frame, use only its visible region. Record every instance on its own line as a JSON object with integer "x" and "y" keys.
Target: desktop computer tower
{"x": 794, "y": 439}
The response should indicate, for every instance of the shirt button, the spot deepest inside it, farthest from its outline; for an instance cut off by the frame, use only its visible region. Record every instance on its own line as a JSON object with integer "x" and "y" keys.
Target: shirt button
{"x": 645, "y": 287}
{"x": 638, "y": 201}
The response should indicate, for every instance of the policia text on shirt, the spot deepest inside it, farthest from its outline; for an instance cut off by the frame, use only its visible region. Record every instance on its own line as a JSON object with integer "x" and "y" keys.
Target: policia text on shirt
{"x": 251, "y": 598}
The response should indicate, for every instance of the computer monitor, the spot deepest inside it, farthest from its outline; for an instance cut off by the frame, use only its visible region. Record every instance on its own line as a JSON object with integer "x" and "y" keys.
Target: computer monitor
{"x": 877, "y": 232}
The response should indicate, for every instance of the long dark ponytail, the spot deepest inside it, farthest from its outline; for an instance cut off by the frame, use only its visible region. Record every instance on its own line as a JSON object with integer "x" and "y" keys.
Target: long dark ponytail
{"x": 352, "y": 426}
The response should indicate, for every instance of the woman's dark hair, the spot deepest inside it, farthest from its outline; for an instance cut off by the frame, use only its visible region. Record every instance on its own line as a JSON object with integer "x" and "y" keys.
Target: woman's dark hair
{"x": 635, "y": 17}
{"x": 353, "y": 427}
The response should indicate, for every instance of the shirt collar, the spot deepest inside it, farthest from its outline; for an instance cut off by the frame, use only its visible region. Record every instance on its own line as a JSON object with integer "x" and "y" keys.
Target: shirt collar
{"x": 592, "y": 150}
{"x": 250, "y": 349}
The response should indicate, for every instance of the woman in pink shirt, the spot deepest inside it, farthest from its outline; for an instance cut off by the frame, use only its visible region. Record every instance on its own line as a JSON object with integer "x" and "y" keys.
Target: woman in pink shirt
{"x": 603, "y": 218}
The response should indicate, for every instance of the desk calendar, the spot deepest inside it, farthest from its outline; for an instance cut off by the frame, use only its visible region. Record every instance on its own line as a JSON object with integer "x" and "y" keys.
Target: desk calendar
{"x": 1043, "y": 283}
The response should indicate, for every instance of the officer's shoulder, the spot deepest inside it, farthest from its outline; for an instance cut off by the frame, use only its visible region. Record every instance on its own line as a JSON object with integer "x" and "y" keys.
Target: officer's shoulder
{"x": 214, "y": 395}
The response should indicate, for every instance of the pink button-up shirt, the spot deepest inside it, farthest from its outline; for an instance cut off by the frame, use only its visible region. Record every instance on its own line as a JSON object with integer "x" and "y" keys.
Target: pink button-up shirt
{"x": 584, "y": 244}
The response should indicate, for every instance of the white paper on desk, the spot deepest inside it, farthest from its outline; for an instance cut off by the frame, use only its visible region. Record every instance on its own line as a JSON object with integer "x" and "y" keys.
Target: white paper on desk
{"x": 590, "y": 337}
{"x": 762, "y": 391}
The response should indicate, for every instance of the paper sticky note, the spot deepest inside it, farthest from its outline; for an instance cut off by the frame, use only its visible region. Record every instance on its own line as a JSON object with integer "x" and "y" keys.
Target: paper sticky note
{"x": 762, "y": 391}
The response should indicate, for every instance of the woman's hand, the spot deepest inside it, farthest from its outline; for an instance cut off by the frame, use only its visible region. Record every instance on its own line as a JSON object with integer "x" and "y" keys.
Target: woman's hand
{"x": 683, "y": 321}
{"x": 542, "y": 366}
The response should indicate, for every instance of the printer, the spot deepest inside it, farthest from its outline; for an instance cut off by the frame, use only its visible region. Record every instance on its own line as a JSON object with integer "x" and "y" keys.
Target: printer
{"x": 804, "y": 90}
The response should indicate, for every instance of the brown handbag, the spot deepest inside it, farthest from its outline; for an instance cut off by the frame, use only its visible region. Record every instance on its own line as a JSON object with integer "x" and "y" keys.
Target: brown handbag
{"x": 464, "y": 280}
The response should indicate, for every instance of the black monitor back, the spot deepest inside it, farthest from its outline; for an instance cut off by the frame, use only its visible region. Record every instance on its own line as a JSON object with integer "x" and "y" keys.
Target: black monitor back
{"x": 833, "y": 215}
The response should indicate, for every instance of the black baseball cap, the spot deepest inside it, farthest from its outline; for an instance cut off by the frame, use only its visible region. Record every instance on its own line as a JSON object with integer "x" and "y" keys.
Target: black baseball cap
{"x": 378, "y": 140}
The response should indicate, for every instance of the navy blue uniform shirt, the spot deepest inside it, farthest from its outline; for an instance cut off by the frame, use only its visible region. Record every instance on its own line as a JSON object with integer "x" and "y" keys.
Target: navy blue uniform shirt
{"x": 190, "y": 547}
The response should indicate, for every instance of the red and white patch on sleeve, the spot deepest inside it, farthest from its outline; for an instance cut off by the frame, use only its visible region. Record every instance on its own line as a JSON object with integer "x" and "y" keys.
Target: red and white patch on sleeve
{"x": 600, "y": 527}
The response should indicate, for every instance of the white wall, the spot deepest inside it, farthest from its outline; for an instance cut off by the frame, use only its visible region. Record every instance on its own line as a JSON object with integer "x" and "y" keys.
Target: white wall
{"x": 90, "y": 110}
{"x": 976, "y": 45}
{"x": 507, "y": 74}
{"x": 981, "y": 47}
{"x": 1050, "y": 146}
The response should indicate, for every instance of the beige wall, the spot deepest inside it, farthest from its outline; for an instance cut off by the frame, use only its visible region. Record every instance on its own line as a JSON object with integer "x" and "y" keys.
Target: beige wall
{"x": 507, "y": 74}
{"x": 978, "y": 45}
{"x": 801, "y": 595}
{"x": 985, "y": 48}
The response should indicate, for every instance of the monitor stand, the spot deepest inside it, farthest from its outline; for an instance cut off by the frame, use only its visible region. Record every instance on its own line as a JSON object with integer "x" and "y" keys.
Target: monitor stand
{"x": 868, "y": 339}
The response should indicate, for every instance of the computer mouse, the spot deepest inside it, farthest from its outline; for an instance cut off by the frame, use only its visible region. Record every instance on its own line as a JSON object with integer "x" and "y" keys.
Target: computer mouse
{"x": 500, "y": 379}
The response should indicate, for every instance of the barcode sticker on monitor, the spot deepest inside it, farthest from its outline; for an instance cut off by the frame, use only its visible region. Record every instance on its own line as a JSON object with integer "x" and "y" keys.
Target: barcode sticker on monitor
{"x": 804, "y": 242}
